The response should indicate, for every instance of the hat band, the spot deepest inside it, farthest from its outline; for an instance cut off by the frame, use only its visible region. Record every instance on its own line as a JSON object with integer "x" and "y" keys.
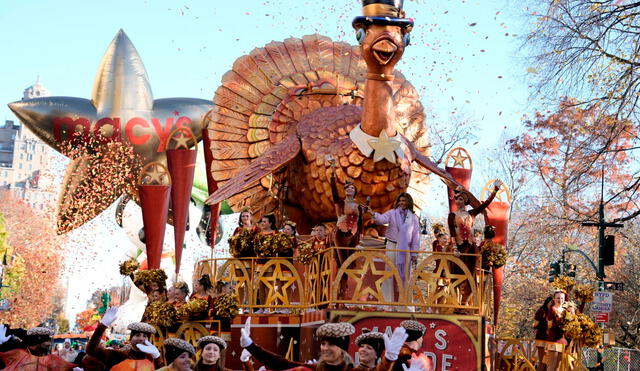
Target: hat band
{"x": 380, "y": 10}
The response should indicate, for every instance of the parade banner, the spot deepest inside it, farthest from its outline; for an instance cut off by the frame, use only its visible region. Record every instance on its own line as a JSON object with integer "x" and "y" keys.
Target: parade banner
{"x": 451, "y": 342}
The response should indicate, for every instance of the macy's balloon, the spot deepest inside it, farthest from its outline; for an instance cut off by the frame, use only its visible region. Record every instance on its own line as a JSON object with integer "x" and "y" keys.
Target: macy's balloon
{"x": 121, "y": 123}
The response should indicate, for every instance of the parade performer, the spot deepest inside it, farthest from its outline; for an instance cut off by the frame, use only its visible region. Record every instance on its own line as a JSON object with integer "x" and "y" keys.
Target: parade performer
{"x": 245, "y": 221}
{"x": 320, "y": 236}
{"x": 141, "y": 356}
{"x": 201, "y": 289}
{"x": 403, "y": 233}
{"x": 415, "y": 335}
{"x": 178, "y": 354}
{"x": 264, "y": 247}
{"x": 334, "y": 342}
{"x": 181, "y": 293}
{"x": 370, "y": 347}
{"x": 289, "y": 229}
{"x": 540, "y": 325}
{"x": 212, "y": 354}
{"x": 461, "y": 230}
{"x": 348, "y": 212}
{"x": 35, "y": 357}
{"x": 555, "y": 334}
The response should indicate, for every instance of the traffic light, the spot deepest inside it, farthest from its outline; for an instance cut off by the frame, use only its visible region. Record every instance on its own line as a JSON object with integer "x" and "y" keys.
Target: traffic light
{"x": 609, "y": 251}
{"x": 570, "y": 270}
{"x": 554, "y": 270}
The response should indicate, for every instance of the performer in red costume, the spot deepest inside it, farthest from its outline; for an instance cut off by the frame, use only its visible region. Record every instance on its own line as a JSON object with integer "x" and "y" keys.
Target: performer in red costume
{"x": 142, "y": 355}
{"x": 461, "y": 230}
{"x": 334, "y": 341}
{"x": 36, "y": 356}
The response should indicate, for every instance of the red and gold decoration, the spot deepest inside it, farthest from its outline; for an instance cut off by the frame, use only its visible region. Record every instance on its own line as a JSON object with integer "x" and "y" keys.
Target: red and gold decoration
{"x": 181, "y": 162}
{"x": 497, "y": 215}
{"x": 458, "y": 163}
{"x": 154, "y": 187}
{"x": 120, "y": 119}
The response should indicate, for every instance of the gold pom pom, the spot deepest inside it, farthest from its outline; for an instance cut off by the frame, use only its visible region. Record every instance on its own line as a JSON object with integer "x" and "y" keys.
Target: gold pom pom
{"x": 226, "y": 306}
{"x": 241, "y": 244}
{"x": 149, "y": 276}
{"x": 306, "y": 253}
{"x": 161, "y": 314}
{"x": 194, "y": 309}
{"x": 129, "y": 267}
{"x": 584, "y": 293}
{"x": 563, "y": 283}
{"x": 493, "y": 255}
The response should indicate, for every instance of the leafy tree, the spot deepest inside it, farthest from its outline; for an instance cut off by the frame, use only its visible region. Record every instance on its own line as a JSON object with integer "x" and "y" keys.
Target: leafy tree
{"x": 34, "y": 260}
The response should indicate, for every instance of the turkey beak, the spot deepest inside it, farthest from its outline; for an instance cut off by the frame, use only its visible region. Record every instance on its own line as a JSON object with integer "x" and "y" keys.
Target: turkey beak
{"x": 384, "y": 50}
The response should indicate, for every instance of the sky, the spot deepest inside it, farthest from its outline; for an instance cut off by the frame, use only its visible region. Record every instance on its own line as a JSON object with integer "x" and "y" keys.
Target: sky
{"x": 464, "y": 58}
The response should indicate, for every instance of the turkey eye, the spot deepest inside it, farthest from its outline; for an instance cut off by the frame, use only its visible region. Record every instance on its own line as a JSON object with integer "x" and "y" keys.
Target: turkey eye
{"x": 407, "y": 39}
{"x": 360, "y": 34}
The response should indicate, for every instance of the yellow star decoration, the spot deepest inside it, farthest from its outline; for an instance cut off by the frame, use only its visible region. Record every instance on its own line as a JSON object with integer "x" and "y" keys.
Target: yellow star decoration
{"x": 426, "y": 275}
{"x": 155, "y": 175}
{"x": 384, "y": 147}
{"x": 277, "y": 283}
{"x": 182, "y": 141}
{"x": 459, "y": 159}
{"x": 358, "y": 275}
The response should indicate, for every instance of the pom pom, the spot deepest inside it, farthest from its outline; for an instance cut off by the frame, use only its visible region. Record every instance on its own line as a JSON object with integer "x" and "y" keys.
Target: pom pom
{"x": 241, "y": 244}
{"x": 194, "y": 309}
{"x": 563, "y": 283}
{"x": 584, "y": 293}
{"x": 161, "y": 314}
{"x": 226, "y": 306}
{"x": 129, "y": 267}
{"x": 306, "y": 253}
{"x": 149, "y": 276}
{"x": 493, "y": 255}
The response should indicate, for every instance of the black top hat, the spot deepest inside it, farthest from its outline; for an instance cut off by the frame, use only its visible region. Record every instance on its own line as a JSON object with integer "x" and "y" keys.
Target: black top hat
{"x": 387, "y": 12}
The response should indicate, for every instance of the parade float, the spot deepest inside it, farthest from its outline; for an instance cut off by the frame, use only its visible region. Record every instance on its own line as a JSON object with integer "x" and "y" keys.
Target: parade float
{"x": 310, "y": 133}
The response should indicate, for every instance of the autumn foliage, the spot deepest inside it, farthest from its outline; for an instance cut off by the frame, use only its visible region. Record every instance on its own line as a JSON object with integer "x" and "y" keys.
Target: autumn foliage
{"x": 36, "y": 251}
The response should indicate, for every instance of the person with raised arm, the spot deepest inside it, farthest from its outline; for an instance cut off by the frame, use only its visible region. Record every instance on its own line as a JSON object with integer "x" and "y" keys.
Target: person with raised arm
{"x": 141, "y": 356}
{"x": 334, "y": 342}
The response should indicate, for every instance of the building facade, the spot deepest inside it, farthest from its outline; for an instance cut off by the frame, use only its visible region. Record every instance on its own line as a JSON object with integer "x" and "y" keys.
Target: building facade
{"x": 25, "y": 160}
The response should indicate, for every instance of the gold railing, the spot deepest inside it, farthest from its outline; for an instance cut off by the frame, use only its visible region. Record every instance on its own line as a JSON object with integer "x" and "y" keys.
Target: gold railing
{"x": 522, "y": 354}
{"x": 433, "y": 284}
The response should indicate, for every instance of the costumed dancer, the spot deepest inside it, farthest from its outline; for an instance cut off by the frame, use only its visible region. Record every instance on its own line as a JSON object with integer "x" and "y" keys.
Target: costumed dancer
{"x": 349, "y": 224}
{"x": 201, "y": 289}
{"x": 178, "y": 354}
{"x": 415, "y": 335}
{"x": 540, "y": 325}
{"x": 212, "y": 354}
{"x": 181, "y": 292}
{"x": 403, "y": 234}
{"x": 35, "y": 357}
{"x": 289, "y": 229}
{"x": 461, "y": 230}
{"x": 442, "y": 244}
{"x": 370, "y": 347}
{"x": 245, "y": 221}
{"x": 264, "y": 247}
{"x": 141, "y": 356}
{"x": 334, "y": 342}
{"x": 555, "y": 334}
{"x": 320, "y": 237}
